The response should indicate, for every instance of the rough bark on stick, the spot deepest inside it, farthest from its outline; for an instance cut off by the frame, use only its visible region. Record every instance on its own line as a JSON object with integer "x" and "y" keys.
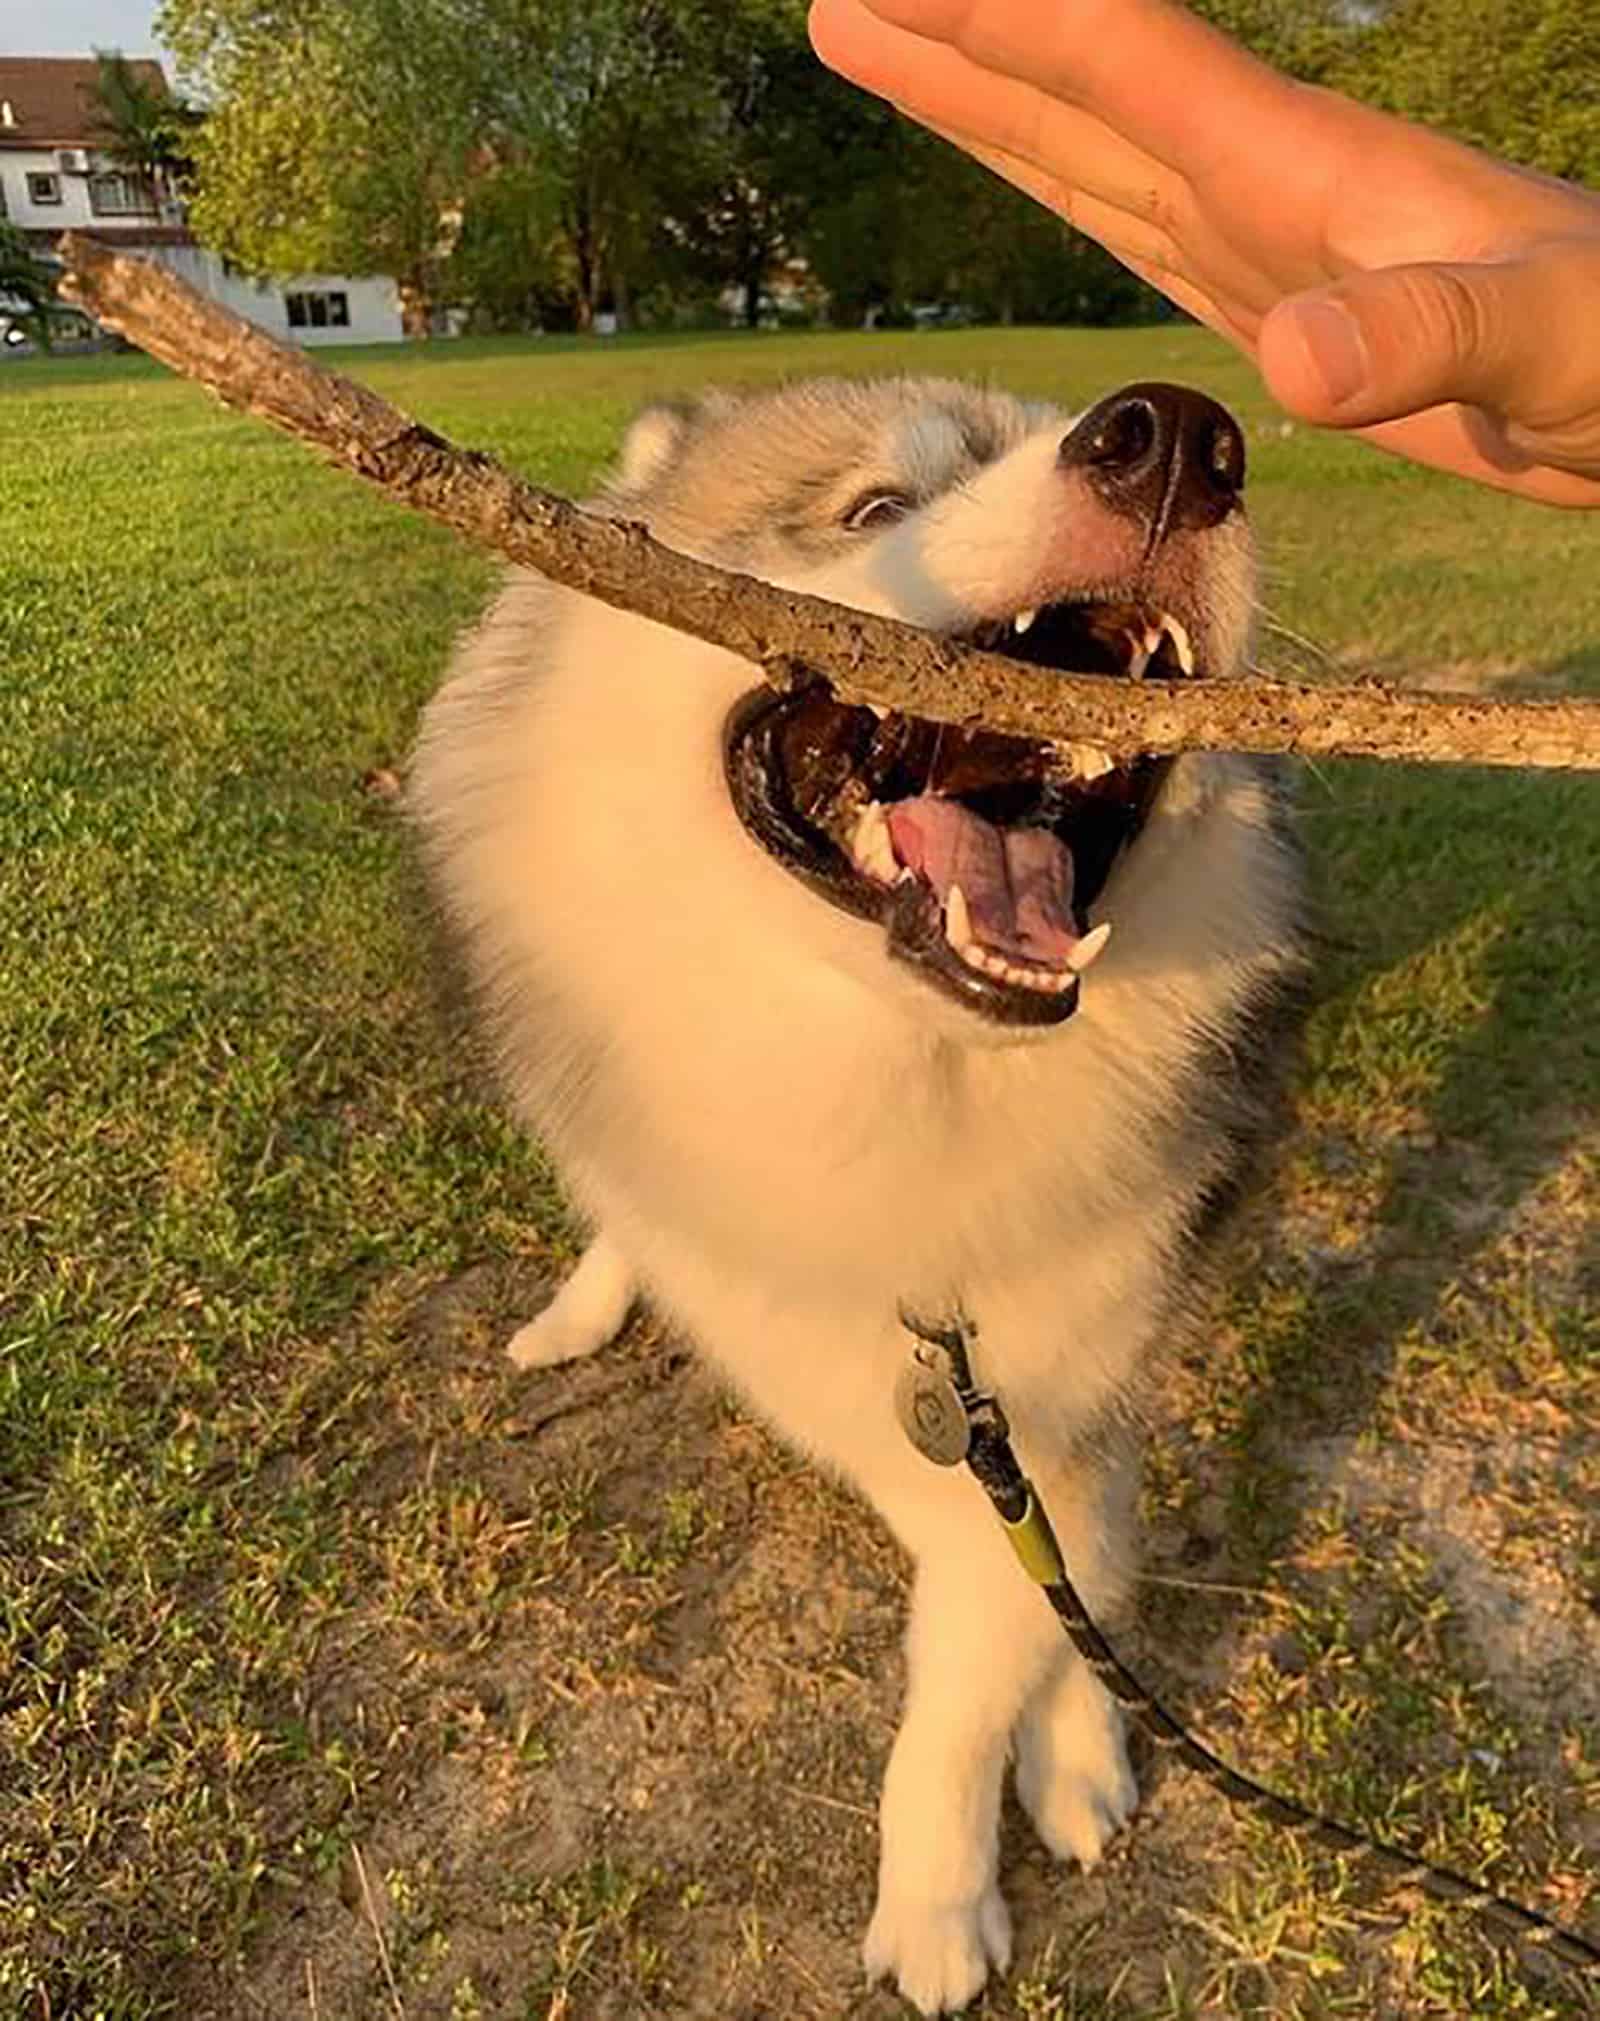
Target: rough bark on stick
{"x": 791, "y": 637}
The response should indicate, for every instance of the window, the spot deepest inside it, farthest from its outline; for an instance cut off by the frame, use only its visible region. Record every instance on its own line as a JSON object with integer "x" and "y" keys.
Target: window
{"x": 120, "y": 195}
{"x": 44, "y": 188}
{"x": 318, "y": 309}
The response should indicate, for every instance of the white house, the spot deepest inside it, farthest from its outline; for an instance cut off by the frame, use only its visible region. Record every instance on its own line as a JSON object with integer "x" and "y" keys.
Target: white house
{"x": 56, "y": 175}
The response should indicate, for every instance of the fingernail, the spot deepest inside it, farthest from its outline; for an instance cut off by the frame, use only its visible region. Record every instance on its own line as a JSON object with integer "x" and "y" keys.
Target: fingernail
{"x": 1337, "y": 348}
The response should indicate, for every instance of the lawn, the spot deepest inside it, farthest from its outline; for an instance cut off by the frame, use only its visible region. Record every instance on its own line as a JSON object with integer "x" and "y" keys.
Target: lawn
{"x": 344, "y": 1674}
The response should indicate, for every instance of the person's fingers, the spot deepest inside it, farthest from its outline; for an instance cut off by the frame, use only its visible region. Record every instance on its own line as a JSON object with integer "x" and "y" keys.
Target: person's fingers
{"x": 1194, "y": 300}
{"x": 1455, "y": 439}
{"x": 1145, "y": 249}
{"x": 1167, "y": 82}
{"x": 1377, "y": 346}
{"x": 976, "y": 109}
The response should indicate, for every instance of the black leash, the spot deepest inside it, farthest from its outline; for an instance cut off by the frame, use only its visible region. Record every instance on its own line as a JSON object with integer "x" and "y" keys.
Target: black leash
{"x": 951, "y": 1422}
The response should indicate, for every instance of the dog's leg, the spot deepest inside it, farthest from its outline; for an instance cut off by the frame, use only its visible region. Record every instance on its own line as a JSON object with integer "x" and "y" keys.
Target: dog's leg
{"x": 1073, "y": 1774}
{"x": 979, "y": 1640}
{"x": 1072, "y": 1763}
{"x": 985, "y": 1654}
{"x": 585, "y": 1313}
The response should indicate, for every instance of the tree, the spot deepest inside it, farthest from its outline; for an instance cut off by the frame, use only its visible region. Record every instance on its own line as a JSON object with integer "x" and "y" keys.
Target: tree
{"x": 27, "y": 286}
{"x": 148, "y": 130}
{"x": 769, "y": 121}
{"x": 598, "y": 110}
{"x": 511, "y": 259}
{"x": 1537, "y": 101}
{"x": 342, "y": 135}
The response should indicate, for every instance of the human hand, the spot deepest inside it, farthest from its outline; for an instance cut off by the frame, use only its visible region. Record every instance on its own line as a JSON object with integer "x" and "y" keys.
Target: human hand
{"x": 1440, "y": 303}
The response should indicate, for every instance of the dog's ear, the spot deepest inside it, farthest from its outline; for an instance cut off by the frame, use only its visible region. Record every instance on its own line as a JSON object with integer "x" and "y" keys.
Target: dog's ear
{"x": 658, "y": 433}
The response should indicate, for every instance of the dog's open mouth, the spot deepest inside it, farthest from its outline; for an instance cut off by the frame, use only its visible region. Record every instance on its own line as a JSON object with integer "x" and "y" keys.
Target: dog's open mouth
{"x": 980, "y": 854}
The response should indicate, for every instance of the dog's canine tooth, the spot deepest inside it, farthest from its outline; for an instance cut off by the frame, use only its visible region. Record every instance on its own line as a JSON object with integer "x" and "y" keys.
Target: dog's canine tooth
{"x": 957, "y": 919}
{"x": 1182, "y": 645}
{"x": 1087, "y": 761}
{"x": 871, "y": 847}
{"x": 1023, "y": 622}
{"x": 1089, "y": 950}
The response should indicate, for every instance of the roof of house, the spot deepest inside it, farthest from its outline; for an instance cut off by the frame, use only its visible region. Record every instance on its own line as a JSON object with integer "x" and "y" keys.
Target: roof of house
{"x": 55, "y": 100}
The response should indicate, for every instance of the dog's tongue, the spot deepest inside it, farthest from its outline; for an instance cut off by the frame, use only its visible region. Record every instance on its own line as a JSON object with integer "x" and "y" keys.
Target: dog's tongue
{"x": 1017, "y": 881}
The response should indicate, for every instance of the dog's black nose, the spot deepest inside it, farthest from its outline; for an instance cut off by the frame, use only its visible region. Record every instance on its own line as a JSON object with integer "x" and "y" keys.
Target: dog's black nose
{"x": 1163, "y": 455}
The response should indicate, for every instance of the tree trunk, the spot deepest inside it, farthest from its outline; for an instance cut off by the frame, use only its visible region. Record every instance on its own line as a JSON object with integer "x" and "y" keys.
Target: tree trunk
{"x": 586, "y": 255}
{"x": 752, "y": 265}
{"x": 416, "y": 310}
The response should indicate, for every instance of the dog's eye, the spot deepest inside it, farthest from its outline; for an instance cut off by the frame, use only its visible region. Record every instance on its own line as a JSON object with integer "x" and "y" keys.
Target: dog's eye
{"x": 877, "y": 510}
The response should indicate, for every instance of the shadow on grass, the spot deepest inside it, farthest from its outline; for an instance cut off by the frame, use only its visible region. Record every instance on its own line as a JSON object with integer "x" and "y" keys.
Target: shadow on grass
{"x": 1452, "y": 1064}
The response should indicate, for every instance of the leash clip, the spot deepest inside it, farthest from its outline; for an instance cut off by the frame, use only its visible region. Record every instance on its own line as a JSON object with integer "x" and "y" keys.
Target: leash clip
{"x": 931, "y": 1395}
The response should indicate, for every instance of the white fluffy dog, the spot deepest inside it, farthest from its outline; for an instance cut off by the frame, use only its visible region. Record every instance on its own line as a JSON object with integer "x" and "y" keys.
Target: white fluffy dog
{"x": 818, "y": 1011}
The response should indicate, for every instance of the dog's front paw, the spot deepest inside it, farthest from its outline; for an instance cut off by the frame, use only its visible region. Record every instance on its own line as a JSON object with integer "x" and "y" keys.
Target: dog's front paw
{"x": 586, "y": 1313}
{"x": 1073, "y": 1774}
{"x": 549, "y": 1340}
{"x": 939, "y": 1953}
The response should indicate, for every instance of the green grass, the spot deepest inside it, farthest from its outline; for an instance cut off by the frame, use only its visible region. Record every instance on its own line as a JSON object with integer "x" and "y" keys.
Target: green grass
{"x": 275, "y": 1532}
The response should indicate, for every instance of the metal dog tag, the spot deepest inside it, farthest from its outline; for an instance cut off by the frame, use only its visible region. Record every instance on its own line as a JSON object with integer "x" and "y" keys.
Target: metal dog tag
{"x": 930, "y": 1409}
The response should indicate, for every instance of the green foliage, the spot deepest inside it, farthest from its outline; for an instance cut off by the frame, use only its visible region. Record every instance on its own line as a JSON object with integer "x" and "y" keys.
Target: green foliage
{"x": 341, "y": 136}
{"x": 774, "y": 131}
{"x": 543, "y": 160}
{"x": 1536, "y": 100}
{"x": 27, "y": 286}
{"x": 1519, "y": 77}
{"x": 150, "y": 131}
{"x": 511, "y": 260}
{"x": 596, "y": 109}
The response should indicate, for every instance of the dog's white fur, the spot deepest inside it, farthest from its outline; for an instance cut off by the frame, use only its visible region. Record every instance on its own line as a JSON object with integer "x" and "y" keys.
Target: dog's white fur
{"x": 779, "y": 1134}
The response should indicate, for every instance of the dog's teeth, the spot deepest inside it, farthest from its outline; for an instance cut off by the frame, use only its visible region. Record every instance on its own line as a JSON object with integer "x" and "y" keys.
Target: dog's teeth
{"x": 1089, "y": 950}
{"x": 1023, "y": 622}
{"x": 1086, "y": 761}
{"x": 1181, "y": 644}
{"x": 957, "y": 919}
{"x": 1138, "y": 659}
{"x": 871, "y": 846}
{"x": 881, "y": 713}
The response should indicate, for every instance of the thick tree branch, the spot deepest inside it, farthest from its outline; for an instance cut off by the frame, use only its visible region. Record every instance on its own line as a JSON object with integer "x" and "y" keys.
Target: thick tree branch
{"x": 787, "y": 636}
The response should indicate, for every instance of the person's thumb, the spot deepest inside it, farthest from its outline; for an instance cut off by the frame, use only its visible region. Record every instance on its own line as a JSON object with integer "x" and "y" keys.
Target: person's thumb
{"x": 1498, "y": 335}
